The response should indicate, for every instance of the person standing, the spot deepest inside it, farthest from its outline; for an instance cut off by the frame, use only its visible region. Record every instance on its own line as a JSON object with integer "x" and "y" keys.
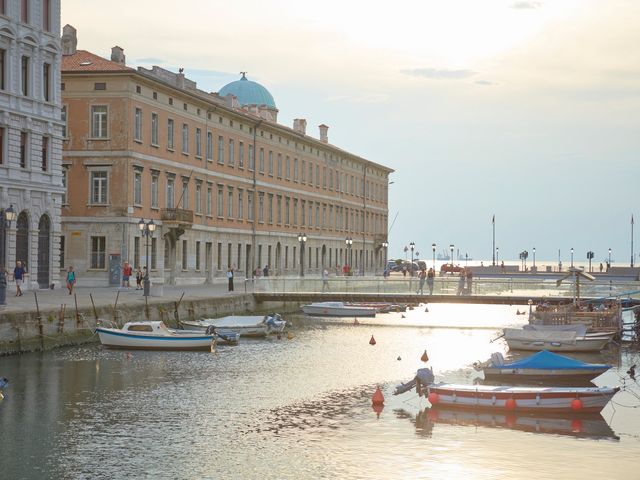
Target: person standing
{"x": 325, "y": 280}
{"x": 461, "y": 282}
{"x": 422, "y": 276}
{"x": 139, "y": 277}
{"x": 265, "y": 271}
{"x": 430, "y": 278}
{"x": 127, "y": 271}
{"x": 71, "y": 279}
{"x": 230, "y": 278}
{"x": 18, "y": 275}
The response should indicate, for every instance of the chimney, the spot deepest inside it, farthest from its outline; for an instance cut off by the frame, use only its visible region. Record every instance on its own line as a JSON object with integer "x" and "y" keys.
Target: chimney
{"x": 69, "y": 40}
{"x": 117, "y": 55}
{"x": 324, "y": 138}
{"x": 300, "y": 125}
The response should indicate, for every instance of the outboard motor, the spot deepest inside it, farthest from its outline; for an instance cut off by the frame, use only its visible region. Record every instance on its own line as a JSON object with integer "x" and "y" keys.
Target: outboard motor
{"x": 211, "y": 330}
{"x": 424, "y": 377}
{"x": 497, "y": 360}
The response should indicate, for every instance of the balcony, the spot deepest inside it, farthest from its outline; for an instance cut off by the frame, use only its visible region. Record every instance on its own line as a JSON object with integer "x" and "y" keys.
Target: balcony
{"x": 175, "y": 217}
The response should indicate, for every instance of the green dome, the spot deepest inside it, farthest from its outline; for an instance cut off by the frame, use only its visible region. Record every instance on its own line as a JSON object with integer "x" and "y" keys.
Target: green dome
{"x": 248, "y": 92}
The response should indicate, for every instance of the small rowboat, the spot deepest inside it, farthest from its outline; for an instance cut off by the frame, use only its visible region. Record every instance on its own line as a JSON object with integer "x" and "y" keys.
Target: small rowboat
{"x": 542, "y": 366}
{"x": 338, "y": 309}
{"x": 555, "y": 341}
{"x": 154, "y": 336}
{"x": 245, "y": 325}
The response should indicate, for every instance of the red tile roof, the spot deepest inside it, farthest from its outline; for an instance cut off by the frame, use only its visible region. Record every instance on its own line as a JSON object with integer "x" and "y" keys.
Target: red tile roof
{"x": 83, "y": 61}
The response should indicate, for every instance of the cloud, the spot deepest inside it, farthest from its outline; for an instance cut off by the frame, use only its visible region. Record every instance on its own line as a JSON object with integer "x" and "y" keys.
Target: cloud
{"x": 155, "y": 61}
{"x": 484, "y": 82}
{"x": 522, "y": 5}
{"x": 439, "y": 74}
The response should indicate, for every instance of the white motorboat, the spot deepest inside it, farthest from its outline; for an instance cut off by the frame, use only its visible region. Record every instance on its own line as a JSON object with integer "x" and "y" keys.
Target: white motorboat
{"x": 555, "y": 341}
{"x": 154, "y": 336}
{"x": 338, "y": 309}
{"x": 245, "y": 325}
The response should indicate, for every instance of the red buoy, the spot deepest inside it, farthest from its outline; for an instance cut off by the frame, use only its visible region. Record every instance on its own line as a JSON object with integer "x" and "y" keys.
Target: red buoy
{"x": 433, "y": 398}
{"x": 576, "y": 404}
{"x": 372, "y": 341}
{"x": 378, "y": 409}
{"x": 510, "y": 404}
{"x": 424, "y": 357}
{"x": 378, "y": 398}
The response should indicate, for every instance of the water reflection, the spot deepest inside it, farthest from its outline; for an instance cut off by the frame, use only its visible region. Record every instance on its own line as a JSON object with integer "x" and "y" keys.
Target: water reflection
{"x": 592, "y": 426}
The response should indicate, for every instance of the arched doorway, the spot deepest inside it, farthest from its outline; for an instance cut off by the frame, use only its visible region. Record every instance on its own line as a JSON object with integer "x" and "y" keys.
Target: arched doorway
{"x": 22, "y": 239}
{"x": 44, "y": 242}
{"x": 278, "y": 259}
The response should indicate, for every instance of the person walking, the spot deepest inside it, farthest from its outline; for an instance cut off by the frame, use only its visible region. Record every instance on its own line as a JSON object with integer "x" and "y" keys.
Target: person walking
{"x": 325, "y": 280}
{"x": 422, "y": 276}
{"x": 230, "y": 278}
{"x": 431, "y": 274}
{"x": 139, "y": 277}
{"x": 127, "y": 271}
{"x": 71, "y": 279}
{"x": 18, "y": 275}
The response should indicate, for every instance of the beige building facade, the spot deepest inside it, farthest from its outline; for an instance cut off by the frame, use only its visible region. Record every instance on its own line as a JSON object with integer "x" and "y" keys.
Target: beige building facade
{"x": 226, "y": 185}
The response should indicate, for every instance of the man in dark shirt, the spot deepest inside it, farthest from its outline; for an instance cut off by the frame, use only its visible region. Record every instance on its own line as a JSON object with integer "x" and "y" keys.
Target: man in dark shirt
{"x": 18, "y": 276}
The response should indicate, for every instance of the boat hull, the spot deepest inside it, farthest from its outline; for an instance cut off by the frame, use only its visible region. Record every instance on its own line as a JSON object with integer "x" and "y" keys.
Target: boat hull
{"x": 519, "y": 399}
{"x": 346, "y": 311}
{"x": 249, "y": 326}
{"x": 539, "y": 375}
{"x": 586, "y": 344}
{"x": 139, "y": 341}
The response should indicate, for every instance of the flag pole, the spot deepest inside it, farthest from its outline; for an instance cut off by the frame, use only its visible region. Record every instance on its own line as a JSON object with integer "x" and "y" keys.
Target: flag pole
{"x": 493, "y": 249}
{"x": 631, "y": 240}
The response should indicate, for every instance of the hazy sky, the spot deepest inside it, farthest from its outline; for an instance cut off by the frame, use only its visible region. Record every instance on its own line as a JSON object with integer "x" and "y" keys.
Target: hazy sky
{"x": 529, "y": 110}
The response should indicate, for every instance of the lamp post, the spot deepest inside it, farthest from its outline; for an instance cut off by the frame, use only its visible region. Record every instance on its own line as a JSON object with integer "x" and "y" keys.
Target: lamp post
{"x": 412, "y": 246}
{"x": 384, "y": 246}
{"x": 146, "y": 229}
{"x": 609, "y": 264}
{"x": 534, "y": 259}
{"x": 349, "y": 242}
{"x": 6, "y": 217}
{"x": 571, "y": 257}
{"x": 451, "y": 248}
{"x": 497, "y": 255}
{"x": 302, "y": 238}
{"x": 433, "y": 249}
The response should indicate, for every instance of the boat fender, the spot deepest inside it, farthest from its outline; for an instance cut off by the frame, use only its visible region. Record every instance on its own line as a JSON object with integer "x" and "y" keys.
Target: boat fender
{"x": 576, "y": 404}
{"x": 510, "y": 404}
{"x": 433, "y": 398}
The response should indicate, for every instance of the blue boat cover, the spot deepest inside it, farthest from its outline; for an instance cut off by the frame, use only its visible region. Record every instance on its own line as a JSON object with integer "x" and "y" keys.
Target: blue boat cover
{"x": 546, "y": 360}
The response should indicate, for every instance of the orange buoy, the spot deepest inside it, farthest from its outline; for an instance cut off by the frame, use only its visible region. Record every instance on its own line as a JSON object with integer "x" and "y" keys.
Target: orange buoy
{"x": 424, "y": 357}
{"x": 378, "y": 409}
{"x": 433, "y": 398}
{"x": 576, "y": 425}
{"x": 378, "y": 397}
{"x": 576, "y": 404}
{"x": 372, "y": 341}
{"x": 510, "y": 404}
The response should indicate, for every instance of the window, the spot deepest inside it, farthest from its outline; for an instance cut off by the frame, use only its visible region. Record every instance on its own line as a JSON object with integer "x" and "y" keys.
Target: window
{"x": 137, "y": 130}
{"x": 100, "y": 86}
{"x": 279, "y": 209}
{"x": 219, "y": 256}
{"x": 279, "y": 165}
{"x": 295, "y": 212}
{"x": 154, "y": 129}
{"x": 220, "y": 150}
{"x": 287, "y": 218}
{"x": 250, "y": 206}
{"x": 99, "y": 187}
{"x": 270, "y": 163}
{"x": 137, "y": 188}
{"x": 287, "y": 169}
{"x": 241, "y": 155}
{"x": 185, "y": 253}
{"x": 198, "y": 256}
{"x": 24, "y": 141}
{"x": 317, "y": 175}
{"x": 209, "y": 146}
{"x": 198, "y": 142}
{"x": 185, "y": 138}
{"x": 63, "y": 119}
{"x": 252, "y": 160}
{"x": 46, "y": 16}
{"x": 185, "y": 194}
{"x": 240, "y": 204}
{"x": 310, "y": 173}
{"x": 232, "y": 159}
{"x": 229, "y": 202}
{"x": 99, "y": 121}
{"x": 219, "y": 207}
{"x": 170, "y": 134}
{"x": 198, "y": 198}
{"x": 154, "y": 191}
{"x": 261, "y": 161}
{"x": 46, "y": 82}
{"x": 170, "y": 192}
{"x": 24, "y": 11}
{"x": 25, "y": 76}
{"x": 98, "y": 249}
{"x": 261, "y": 207}
{"x": 270, "y": 207}
{"x": 303, "y": 205}
{"x": 295, "y": 169}
{"x": 64, "y": 185}
{"x": 45, "y": 154}
{"x": 3, "y": 56}
{"x": 303, "y": 172}
{"x": 209, "y": 200}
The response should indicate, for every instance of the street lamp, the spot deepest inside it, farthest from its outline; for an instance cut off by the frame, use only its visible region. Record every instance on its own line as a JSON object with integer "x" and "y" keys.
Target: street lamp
{"x": 451, "y": 248}
{"x": 384, "y": 246}
{"x": 572, "y": 257}
{"x": 433, "y": 249}
{"x": 412, "y": 246}
{"x": 302, "y": 238}
{"x": 497, "y": 255}
{"x": 534, "y": 259}
{"x": 146, "y": 229}
{"x": 349, "y": 243}
{"x": 609, "y": 264}
{"x": 6, "y": 217}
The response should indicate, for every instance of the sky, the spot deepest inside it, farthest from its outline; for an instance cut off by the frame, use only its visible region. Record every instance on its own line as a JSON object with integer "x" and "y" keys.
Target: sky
{"x": 526, "y": 110}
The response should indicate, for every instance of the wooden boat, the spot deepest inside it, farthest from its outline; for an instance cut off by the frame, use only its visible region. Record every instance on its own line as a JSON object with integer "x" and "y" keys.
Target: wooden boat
{"x": 504, "y": 398}
{"x": 154, "y": 336}
{"x": 601, "y": 318}
{"x": 245, "y": 325}
{"x": 542, "y": 366}
{"x": 555, "y": 341}
{"x": 338, "y": 309}
{"x": 381, "y": 307}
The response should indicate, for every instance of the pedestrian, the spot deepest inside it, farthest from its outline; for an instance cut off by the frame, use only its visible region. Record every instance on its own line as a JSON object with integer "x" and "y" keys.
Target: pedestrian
{"x": 404, "y": 271}
{"x": 71, "y": 279}
{"x": 265, "y": 271}
{"x": 461, "y": 282}
{"x": 325, "y": 280}
{"x": 469, "y": 280}
{"x": 386, "y": 273}
{"x": 127, "y": 271}
{"x": 230, "y": 278}
{"x": 601, "y": 267}
{"x": 18, "y": 275}
{"x": 430, "y": 278}
{"x": 422, "y": 276}
{"x": 139, "y": 276}
{"x": 502, "y": 267}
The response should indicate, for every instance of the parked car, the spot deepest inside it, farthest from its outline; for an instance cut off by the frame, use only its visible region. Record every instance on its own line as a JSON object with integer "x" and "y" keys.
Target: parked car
{"x": 450, "y": 268}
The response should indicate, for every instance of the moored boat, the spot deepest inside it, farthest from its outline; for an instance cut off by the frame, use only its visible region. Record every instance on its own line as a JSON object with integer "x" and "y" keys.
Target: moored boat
{"x": 245, "y": 325}
{"x": 338, "y": 309}
{"x": 555, "y": 341}
{"x": 154, "y": 336}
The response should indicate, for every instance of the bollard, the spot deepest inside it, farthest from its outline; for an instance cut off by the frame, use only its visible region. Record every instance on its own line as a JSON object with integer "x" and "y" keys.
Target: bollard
{"x": 3, "y": 286}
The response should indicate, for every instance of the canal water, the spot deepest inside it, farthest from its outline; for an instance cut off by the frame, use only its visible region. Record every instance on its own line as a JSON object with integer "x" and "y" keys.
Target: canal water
{"x": 300, "y": 408}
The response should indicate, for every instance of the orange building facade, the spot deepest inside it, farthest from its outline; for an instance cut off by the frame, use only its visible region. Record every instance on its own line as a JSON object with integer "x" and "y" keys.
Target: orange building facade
{"x": 226, "y": 185}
